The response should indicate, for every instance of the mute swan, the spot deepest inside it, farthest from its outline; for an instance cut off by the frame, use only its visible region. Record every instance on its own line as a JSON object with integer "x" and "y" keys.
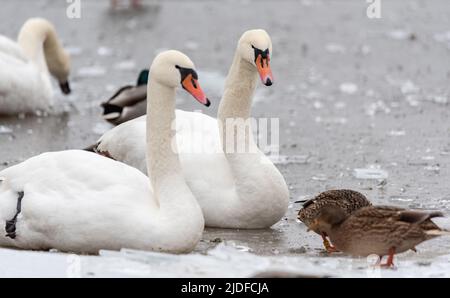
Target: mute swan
{"x": 25, "y": 85}
{"x": 235, "y": 190}
{"x": 81, "y": 202}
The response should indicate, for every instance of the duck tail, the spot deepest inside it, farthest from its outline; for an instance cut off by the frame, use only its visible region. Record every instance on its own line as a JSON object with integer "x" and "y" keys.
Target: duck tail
{"x": 436, "y": 233}
{"x": 92, "y": 148}
{"x": 111, "y": 111}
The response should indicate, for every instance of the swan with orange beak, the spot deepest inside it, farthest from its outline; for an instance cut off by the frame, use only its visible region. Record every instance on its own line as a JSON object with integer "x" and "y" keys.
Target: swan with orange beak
{"x": 241, "y": 190}
{"x": 189, "y": 81}
{"x": 262, "y": 61}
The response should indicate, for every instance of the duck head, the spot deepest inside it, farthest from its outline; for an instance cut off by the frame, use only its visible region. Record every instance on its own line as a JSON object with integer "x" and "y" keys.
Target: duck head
{"x": 329, "y": 217}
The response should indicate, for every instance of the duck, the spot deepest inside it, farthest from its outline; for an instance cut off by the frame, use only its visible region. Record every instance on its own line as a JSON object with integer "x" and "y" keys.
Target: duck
{"x": 236, "y": 190}
{"x": 80, "y": 202}
{"x": 379, "y": 230}
{"x": 348, "y": 200}
{"x": 128, "y": 103}
{"x": 26, "y": 67}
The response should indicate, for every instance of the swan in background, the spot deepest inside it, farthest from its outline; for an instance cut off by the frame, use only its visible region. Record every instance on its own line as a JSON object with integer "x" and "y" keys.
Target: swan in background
{"x": 77, "y": 201}
{"x": 25, "y": 68}
{"x": 235, "y": 190}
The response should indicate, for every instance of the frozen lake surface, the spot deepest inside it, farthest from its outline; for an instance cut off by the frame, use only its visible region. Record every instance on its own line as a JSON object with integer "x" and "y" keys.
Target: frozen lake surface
{"x": 363, "y": 104}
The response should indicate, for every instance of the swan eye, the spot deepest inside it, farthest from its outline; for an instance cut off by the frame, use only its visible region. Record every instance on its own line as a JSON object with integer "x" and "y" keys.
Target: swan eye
{"x": 264, "y": 54}
{"x": 185, "y": 72}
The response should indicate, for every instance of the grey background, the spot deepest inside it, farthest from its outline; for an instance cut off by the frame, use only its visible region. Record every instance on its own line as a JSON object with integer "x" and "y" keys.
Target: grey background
{"x": 318, "y": 46}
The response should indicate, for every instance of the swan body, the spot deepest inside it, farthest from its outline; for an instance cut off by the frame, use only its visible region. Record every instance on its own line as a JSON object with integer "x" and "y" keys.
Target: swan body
{"x": 78, "y": 201}
{"x": 235, "y": 190}
{"x": 26, "y": 66}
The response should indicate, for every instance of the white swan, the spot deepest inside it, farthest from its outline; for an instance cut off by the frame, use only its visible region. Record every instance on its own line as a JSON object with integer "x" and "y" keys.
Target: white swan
{"x": 81, "y": 202}
{"x": 25, "y": 68}
{"x": 235, "y": 190}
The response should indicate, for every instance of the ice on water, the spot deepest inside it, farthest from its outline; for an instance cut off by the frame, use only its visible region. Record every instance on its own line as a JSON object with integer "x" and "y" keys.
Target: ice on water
{"x": 371, "y": 172}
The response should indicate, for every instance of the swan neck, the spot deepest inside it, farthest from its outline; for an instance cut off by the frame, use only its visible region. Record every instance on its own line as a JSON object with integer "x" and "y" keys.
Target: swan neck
{"x": 235, "y": 108}
{"x": 240, "y": 85}
{"x": 169, "y": 186}
{"x": 40, "y": 44}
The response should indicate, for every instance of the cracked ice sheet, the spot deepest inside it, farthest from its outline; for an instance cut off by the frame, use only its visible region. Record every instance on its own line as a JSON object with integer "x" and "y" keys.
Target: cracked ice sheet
{"x": 223, "y": 261}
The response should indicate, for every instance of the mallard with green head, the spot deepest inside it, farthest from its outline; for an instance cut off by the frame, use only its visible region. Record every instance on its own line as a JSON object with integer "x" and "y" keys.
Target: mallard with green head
{"x": 128, "y": 103}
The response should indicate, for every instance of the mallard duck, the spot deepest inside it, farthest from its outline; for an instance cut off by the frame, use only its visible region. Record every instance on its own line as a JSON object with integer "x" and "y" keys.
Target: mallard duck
{"x": 128, "y": 102}
{"x": 380, "y": 230}
{"x": 348, "y": 200}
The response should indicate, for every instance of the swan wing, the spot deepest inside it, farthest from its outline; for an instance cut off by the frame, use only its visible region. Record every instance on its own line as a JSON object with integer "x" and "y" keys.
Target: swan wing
{"x": 71, "y": 201}
{"x": 12, "y": 49}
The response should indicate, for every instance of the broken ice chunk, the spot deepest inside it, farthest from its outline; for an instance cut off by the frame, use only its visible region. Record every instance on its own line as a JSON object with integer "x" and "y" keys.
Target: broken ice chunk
{"x": 125, "y": 65}
{"x": 400, "y": 35}
{"x": 335, "y": 48}
{"x": 409, "y": 87}
{"x": 397, "y": 133}
{"x": 293, "y": 159}
{"x": 433, "y": 168}
{"x": 92, "y": 71}
{"x": 5, "y": 130}
{"x": 348, "y": 88}
{"x": 375, "y": 107}
{"x": 104, "y": 51}
{"x": 191, "y": 45}
{"x": 371, "y": 172}
{"x": 319, "y": 177}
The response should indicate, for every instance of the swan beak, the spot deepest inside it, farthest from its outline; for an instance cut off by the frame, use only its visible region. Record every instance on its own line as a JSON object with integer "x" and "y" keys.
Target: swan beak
{"x": 263, "y": 66}
{"x": 192, "y": 86}
{"x": 65, "y": 87}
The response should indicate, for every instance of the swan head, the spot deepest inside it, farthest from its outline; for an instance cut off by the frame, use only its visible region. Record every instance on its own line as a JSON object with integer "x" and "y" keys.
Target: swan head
{"x": 172, "y": 68}
{"x": 58, "y": 60}
{"x": 255, "y": 47}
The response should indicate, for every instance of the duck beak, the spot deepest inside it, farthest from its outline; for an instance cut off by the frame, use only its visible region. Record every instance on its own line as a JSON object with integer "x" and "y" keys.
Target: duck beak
{"x": 192, "y": 86}
{"x": 65, "y": 87}
{"x": 263, "y": 66}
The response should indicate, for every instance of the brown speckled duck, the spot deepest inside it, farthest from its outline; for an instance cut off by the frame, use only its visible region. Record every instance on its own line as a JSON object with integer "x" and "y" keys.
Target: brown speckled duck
{"x": 348, "y": 200}
{"x": 128, "y": 102}
{"x": 379, "y": 230}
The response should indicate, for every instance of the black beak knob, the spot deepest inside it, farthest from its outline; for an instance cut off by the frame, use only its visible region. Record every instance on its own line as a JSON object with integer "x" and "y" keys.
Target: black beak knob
{"x": 65, "y": 88}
